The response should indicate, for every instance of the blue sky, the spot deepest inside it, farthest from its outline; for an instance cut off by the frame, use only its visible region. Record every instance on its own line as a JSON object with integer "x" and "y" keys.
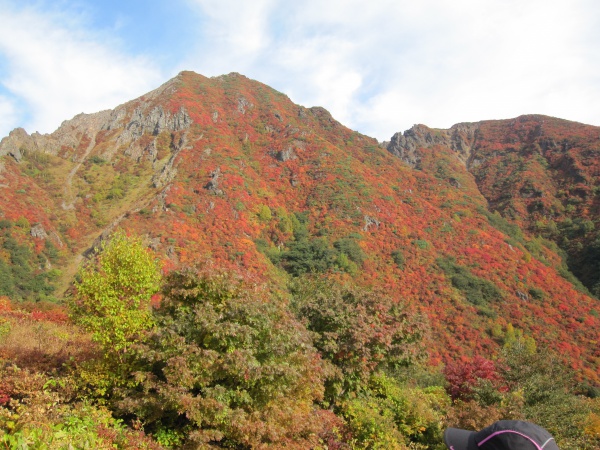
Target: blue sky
{"x": 378, "y": 67}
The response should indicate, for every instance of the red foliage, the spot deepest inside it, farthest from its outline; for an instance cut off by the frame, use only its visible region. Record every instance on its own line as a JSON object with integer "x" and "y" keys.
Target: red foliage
{"x": 463, "y": 375}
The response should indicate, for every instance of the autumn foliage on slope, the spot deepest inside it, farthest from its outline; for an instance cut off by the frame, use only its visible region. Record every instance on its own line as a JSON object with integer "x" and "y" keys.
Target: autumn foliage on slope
{"x": 544, "y": 173}
{"x": 255, "y": 183}
{"x": 219, "y": 360}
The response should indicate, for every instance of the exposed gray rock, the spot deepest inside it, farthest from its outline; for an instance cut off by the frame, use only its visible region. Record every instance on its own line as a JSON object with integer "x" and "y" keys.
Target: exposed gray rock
{"x": 404, "y": 148}
{"x": 116, "y": 119}
{"x": 299, "y": 145}
{"x": 475, "y": 162}
{"x": 454, "y": 182}
{"x": 16, "y": 154}
{"x": 56, "y": 238}
{"x": 406, "y": 145}
{"x": 460, "y": 138}
{"x": 244, "y": 104}
{"x": 71, "y": 132}
{"x": 161, "y": 200}
{"x": 370, "y": 222}
{"x": 154, "y": 122}
{"x": 286, "y": 154}
{"x": 291, "y": 131}
{"x": 172, "y": 254}
{"x": 104, "y": 236}
{"x": 14, "y": 142}
{"x": 68, "y": 135}
{"x": 154, "y": 243}
{"x": 213, "y": 184}
{"x": 37, "y": 231}
{"x": 168, "y": 172}
{"x": 165, "y": 176}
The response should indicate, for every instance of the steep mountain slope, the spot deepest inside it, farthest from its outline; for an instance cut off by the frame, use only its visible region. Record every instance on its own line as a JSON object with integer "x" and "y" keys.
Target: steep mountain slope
{"x": 229, "y": 172}
{"x": 539, "y": 172}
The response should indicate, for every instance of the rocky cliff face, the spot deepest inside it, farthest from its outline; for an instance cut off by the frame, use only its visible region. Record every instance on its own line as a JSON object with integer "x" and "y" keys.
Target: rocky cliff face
{"x": 145, "y": 119}
{"x": 460, "y": 138}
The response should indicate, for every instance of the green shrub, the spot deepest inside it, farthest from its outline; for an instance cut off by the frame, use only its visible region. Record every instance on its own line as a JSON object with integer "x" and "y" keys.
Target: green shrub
{"x": 391, "y": 415}
{"x": 40, "y": 414}
{"x": 97, "y": 160}
{"x": 228, "y": 365}
{"x": 308, "y": 256}
{"x": 350, "y": 248}
{"x": 476, "y": 290}
{"x": 358, "y": 330}
{"x": 422, "y": 244}
{"x": 536, "y": 293}
{"x": 398, "y": 258}
{"x": 113, "y": 291}
{"x": 548, "y": 387}
{"x": 501, "y": 224}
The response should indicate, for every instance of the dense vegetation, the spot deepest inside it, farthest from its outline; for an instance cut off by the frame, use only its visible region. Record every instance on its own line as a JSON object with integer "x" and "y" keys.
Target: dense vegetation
{"x": 228, "y": 172}
{"x": 24, "y": 274}
{"x": 219, "y": 361}
{"x": 542, "y": 174}
{"x": 313, "y": 291}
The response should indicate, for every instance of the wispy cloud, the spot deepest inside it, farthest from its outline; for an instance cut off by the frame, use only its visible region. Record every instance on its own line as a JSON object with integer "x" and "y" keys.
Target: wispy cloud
{"x": 57, "y": 68}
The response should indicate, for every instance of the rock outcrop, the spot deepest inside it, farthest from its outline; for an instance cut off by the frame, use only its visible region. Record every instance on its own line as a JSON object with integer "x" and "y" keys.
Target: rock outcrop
{"x": 460, "y": 138}
{"x": 131, "y": 121}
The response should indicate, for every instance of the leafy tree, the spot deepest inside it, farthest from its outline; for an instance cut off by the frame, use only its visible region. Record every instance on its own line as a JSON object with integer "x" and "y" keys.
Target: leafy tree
{"x": 38, "y": 412}
{"x": 390, "y": 415}
{"x": 466, "y": 375}
{"x": 17, "y": 278}
{"x": 398, "y": 258}
{"x": 547, "y": 387}
{"x": 351, "y": 249}
{"x": 264, "y": 213}
{"x": 358, "y": 330}
{"x": 7, "y": 284}
{"x": 227, "y": 367}
{"x": 113, "y": 292}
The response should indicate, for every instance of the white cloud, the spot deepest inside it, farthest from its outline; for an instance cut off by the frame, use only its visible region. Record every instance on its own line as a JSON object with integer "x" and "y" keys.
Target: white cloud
{"x": 58, "y": 69}
{"x": 326, "y": 77}
{"x": 7, "y": 115}
{"x": 232, "y": 33}
{"x": 382, "y": 66}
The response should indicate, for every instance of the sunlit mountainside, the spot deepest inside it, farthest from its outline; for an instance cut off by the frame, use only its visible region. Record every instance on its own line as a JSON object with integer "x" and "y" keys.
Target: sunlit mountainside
{"x": 483, "y": 230}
